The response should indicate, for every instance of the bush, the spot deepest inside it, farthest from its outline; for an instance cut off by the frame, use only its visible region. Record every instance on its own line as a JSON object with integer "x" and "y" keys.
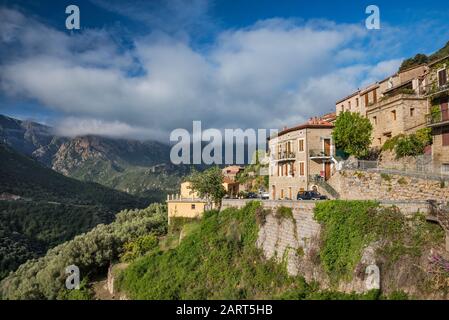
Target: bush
{"x": 409, "y": 145}
{"x": 138, "y": 247}
{"x": 349, "y": 226}
{"x": 284, "y": 213}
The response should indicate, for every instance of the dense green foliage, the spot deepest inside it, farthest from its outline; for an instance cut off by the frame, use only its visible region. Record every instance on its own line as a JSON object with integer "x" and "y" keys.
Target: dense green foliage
{"x": 209, "y": 185}
{"x": 53, "y": 208}
{"x": 251, "y": 175}
{"x": 420, "y": 58}
{"x": 44, "y": 278}
{"x": 409, "y": 145}
{"x": 138, "y": 247}
{"x": 350, "y": 226}
{"x": 219, "y": 260}
{"x": 352, "y": 133}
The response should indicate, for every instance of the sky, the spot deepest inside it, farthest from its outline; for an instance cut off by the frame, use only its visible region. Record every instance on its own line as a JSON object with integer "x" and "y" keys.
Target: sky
{"x": 140, "y": 69}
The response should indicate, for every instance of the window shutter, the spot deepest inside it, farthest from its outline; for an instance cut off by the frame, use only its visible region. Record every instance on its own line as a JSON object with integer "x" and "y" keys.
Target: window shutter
{"x": 446, "y": 137}
{"x": 442, "y": 77}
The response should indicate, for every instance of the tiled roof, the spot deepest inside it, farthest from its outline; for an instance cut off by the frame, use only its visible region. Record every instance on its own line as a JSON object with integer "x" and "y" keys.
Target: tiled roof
{"x": 313, "y": 123}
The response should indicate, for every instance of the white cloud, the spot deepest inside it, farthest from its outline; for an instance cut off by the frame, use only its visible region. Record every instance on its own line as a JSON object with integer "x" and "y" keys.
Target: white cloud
{"x": 274, "y": 73}
{"x": 72, "y": 127}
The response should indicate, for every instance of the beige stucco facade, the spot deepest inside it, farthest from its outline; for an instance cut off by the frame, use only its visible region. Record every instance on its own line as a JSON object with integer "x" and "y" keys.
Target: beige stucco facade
{"x": 297, "y": 155}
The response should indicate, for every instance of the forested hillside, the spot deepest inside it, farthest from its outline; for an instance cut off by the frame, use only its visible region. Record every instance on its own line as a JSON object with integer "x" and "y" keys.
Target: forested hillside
{"x": 44, "y": 278}
{"x": 49, "y": 208}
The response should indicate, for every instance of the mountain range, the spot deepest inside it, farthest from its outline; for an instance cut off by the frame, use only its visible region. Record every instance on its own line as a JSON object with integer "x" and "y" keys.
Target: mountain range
{"x": 141, "y": 168}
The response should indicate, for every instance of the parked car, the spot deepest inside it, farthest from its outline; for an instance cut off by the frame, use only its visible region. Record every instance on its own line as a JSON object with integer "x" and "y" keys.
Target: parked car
{"x": 310, "y": 195}
{"x": 264, "y": 195}
{"x": 251, "y": 195}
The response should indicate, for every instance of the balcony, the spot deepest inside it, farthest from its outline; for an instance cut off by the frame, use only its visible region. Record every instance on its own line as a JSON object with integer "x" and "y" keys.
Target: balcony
{"x": 388, "y": 99}
{"x": 319, "y": 154}
{"x": 434, "y": 89}
{"x": 286, "y": 156}
{"x": 437, "y": 119}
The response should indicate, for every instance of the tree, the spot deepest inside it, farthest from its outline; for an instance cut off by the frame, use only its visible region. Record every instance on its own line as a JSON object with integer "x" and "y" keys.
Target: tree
{"x": 209, "y": 185}
{"x": 352, "y": 133}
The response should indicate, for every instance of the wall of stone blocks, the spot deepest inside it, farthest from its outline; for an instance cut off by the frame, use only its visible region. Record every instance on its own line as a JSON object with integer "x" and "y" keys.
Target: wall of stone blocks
{"x": 367, "y": 185}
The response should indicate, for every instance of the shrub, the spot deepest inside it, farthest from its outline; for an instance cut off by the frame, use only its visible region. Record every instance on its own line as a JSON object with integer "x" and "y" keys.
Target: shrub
{"x": 349, "y": 226}
{"x": 138, "y": 247}
{"x": 409, "y": 145}
{"x": 284, "y": 213}
{"x": 391, "y": 143}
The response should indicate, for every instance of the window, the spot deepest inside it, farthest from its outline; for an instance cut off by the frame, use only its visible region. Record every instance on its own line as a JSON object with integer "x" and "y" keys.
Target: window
{"x": 349, "y": 105}
{"x": 442, "y": 77}
{"x": 193, "y": 207}
{"x": 412, "y": 112}
{"x": 445, "y": 138}
{"x": 356, "y": 102}
{"x": 379, "y": 140}
{"x": 301, "y": 145}
{"x": 445, "y": 168}
{"x": 393, "y": 115}
{"x": 342, "y": 108}
{"x": 375, "y": 120}
{"x": 301, "y": 169}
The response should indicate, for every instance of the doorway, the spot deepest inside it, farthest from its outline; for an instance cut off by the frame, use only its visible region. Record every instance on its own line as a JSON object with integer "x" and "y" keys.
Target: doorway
{"x": 327, "y": 147}
{"x": 327, "y": 170}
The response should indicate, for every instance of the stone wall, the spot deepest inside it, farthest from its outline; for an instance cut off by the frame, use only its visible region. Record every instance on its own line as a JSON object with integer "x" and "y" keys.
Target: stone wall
{"x": 289, "y": 239}
{"x": 297, "y": 242}
{"x": 371, "y": 185}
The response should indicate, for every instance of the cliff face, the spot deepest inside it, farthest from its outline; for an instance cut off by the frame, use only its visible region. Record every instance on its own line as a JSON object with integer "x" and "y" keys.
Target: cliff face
{"x": 30, "y": 138}
{"x": 300, "y": 244}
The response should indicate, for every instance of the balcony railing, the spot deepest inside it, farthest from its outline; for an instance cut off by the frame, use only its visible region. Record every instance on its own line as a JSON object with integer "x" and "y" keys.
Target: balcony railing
{"x": 286, "y": 156}
{"x": 434, "y": 88}
{"x": 437, "y": 118}
{"x": 316, "y": 153}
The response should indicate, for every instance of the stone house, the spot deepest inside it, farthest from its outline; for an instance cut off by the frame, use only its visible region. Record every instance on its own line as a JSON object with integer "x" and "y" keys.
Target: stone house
{"x": 395, "y": 105}
{"x": 437, "y": 92}
{"x": 298, "y": 155}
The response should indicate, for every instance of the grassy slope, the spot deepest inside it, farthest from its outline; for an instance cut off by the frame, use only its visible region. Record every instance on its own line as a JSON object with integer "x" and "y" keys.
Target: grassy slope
{"x": 218, "y": 259}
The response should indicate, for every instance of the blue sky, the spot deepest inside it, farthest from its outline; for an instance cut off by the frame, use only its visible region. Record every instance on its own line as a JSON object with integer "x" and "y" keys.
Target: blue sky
{"x": 143, "y": 68}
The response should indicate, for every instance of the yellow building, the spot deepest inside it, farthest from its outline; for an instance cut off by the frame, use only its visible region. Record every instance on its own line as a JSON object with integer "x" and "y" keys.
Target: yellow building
{"x": 187, "y": 204}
